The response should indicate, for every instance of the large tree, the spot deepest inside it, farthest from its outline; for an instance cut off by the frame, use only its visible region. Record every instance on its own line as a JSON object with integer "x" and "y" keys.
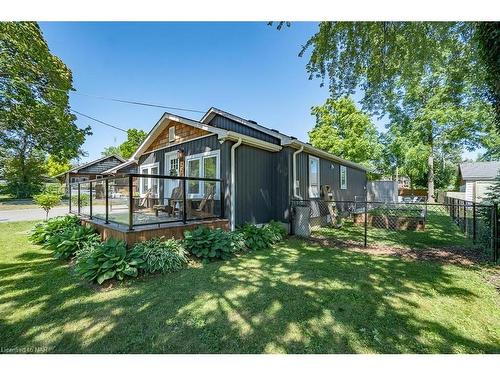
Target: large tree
{"x": 34, "y": 107}
{"x": 346, "y": 131}
{"x": 134, "y": 139}
{"x": 429, "y": 77}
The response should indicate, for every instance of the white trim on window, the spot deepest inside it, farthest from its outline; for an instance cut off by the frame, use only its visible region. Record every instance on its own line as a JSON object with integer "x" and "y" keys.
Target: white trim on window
{"x": 343, "y": 177}
{"x": 146, "y": 169}
{"x": 314, "y": 181}
{"x": 201, "y": 172}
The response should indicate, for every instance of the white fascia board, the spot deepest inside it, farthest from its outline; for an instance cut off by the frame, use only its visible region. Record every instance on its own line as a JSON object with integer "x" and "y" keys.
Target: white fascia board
{"x": 323, "y": 154}
{"x": 250, "y": 141}
{"x": 160, "y": 125}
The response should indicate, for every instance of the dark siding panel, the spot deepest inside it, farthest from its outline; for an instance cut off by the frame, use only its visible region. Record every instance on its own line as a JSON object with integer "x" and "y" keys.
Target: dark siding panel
{"x": 282, "y": 184}
{"x": 255, "y": 185}
{"x": 227, "y": 124}
{"x": 330, "y": 175}
{"x": 225, "y": 174}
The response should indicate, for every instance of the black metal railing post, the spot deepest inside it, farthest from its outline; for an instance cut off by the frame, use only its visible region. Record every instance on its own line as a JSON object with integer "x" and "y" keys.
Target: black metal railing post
{"x": 465, "y": 217}
{"x": 495, "y": 233}
{"x": 78, "y": 199}
{"x": 366, "y": 223}
{"x": 106, "y": 200}
{"x": 90, "y": 200}
{"x": 69, "y": 197}
{"x": 222, "y": 195}
{"x": 474, "y": 222}
{"x": 130, "y": 203}
{"x": 184, "y": 203}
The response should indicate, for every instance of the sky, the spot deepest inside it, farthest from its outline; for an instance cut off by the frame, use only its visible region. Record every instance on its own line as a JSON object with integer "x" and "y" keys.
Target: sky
{"x": 248, "y": 69}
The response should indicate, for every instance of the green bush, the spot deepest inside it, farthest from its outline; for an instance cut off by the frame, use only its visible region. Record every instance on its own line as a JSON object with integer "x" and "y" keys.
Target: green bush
{"x": 160, "y": 255}
{"x": 66, "y": 243}
{"x": 84, "y": 200}
{"x": 210, "y": 244}
{"x": 260, "y": 238}
{"x": 107, "y": 260}
{"x": 47, "y": 201}
{"x": 42, "y": 232}
{"x": 277, "y": 230}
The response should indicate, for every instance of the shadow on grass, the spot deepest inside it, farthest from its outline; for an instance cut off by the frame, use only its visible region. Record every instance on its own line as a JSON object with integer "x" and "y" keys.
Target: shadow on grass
{"x": 298, "y": 298}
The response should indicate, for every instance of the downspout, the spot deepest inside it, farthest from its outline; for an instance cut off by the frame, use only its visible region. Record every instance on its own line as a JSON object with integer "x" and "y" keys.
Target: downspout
{"x": 233, "y": 182}
{"x": 294, "y": 161}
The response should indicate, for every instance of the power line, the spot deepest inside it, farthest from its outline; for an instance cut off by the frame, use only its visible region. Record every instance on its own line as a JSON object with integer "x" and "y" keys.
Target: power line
{"x": 106, "y": 98}
{"x": 99, "y": 121}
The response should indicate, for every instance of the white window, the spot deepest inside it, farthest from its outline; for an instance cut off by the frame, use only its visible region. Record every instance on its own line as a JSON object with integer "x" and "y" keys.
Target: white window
{"x": 343, "y": 177}
{"x": 313, "y": 177}
{"x": 149, "y": 184}
{"x": 171, "y": 134}
{"x": 204, "y": 165}
{"x": 97, "y": 177}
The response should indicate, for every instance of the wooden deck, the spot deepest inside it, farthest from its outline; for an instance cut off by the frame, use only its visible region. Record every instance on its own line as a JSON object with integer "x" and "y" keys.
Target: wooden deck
{"x": 142, "y": 233}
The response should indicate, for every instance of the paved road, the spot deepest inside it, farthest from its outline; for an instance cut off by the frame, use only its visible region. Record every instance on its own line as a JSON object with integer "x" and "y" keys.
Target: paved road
{"x": 30, "y": 214}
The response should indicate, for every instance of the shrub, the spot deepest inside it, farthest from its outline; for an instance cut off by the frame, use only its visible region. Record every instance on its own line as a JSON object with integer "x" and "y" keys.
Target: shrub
{"x": 47, "y": 201}
{"x": 259, "y": 238}
{"x": 209, "y": 244}
{"x": 72, "y": 239}
{"x": 42, "y": 232}
{"x": 160, "y": 255}
{"x": 107, "y": 260}
{"x": 84, "y": 200}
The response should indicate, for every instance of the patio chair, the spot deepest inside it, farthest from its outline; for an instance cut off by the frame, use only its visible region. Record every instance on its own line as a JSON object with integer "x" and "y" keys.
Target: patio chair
{"x": 143, "y": 202}
{"x": 206, "y": 206}
{"x": 169, "y": 208}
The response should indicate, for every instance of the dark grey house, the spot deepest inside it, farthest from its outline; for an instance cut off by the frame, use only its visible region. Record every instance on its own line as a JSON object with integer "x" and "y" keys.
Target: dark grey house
{"x": 263, "y": 169}
{"x": 92, "y": 170}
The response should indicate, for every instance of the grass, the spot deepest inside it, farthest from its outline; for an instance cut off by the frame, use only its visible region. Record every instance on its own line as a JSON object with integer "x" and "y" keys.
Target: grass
{"x": 440, "y": 231}
{"x": 295, "y": 298}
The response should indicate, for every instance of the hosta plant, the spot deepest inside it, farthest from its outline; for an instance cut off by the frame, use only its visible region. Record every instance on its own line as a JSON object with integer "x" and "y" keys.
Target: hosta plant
{"x": 160, "y": 255}
{"x": 107, "y": 260}
{"x": 66, "y": 243}
{"x": 42, "y": 232}
{"x": 210, "y": 244}
{"x": 257, "y": 238}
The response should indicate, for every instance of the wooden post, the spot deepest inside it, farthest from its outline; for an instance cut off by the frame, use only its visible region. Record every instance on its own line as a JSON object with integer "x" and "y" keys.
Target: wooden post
{"x": 106, "y": 200}
{"x": 222, "y": 197}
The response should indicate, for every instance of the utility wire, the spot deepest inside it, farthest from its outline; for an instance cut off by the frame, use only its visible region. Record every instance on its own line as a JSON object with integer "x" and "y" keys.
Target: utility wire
{"x": 105, "y": 98}
{"x": 96, "y": 120}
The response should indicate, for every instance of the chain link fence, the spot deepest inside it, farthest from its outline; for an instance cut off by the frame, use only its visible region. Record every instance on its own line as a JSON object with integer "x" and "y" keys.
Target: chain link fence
{"x": 454, "y": 226}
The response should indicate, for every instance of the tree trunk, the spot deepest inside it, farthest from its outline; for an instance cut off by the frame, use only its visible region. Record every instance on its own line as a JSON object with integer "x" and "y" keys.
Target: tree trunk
{"x": 430, "y": 178}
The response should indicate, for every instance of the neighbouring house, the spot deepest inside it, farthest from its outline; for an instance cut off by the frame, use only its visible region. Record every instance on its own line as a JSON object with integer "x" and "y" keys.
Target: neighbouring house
{"x": 128, "y": 166}
{"x": 476, "y": 178}
{"x": 262, "y": 169}
{"x": 92, "y": 170}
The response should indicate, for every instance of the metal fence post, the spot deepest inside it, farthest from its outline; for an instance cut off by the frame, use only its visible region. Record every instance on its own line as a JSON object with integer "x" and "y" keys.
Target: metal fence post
{"x": 474, "y": 222}
{"x": 106, "y": 200}
{"x": 465, "y": 217}
{"x": 69, "y": 197}
{"x": 90, "y": 200}
{"x": 184, "y": 205}
{"x": 495, "y": 234}
{"x": 366, "y": 222}
{"x": 78, "y": 197}
{"x": 130, "y": 203}
{"x": 222, "y": 195}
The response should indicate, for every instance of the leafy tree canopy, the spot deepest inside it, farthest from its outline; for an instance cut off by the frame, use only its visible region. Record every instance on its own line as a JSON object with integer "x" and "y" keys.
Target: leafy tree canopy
{"x": 344, "y": 130}
{"x": 34, "y": 118}
{"x": 134, "y": 139}
{"x": 55, "y": 167}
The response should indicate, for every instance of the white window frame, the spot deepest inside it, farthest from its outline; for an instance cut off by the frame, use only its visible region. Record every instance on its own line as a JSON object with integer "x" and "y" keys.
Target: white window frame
{"x": 171, "y": 133}
{"x": 343, "y": 171}
{"x": 148, "y": 167}
{"x": 313, "y": 194}
{"x": 201, "y": 157}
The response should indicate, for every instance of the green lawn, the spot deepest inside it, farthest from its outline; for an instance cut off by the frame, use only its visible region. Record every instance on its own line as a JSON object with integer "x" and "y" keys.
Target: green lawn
{"x": 296, "y": 298}
{"x": 440, "y": 231}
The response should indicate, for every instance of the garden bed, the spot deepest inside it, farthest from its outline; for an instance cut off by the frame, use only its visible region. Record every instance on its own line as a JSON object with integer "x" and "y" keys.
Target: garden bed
{"x": 400, "y": 221}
